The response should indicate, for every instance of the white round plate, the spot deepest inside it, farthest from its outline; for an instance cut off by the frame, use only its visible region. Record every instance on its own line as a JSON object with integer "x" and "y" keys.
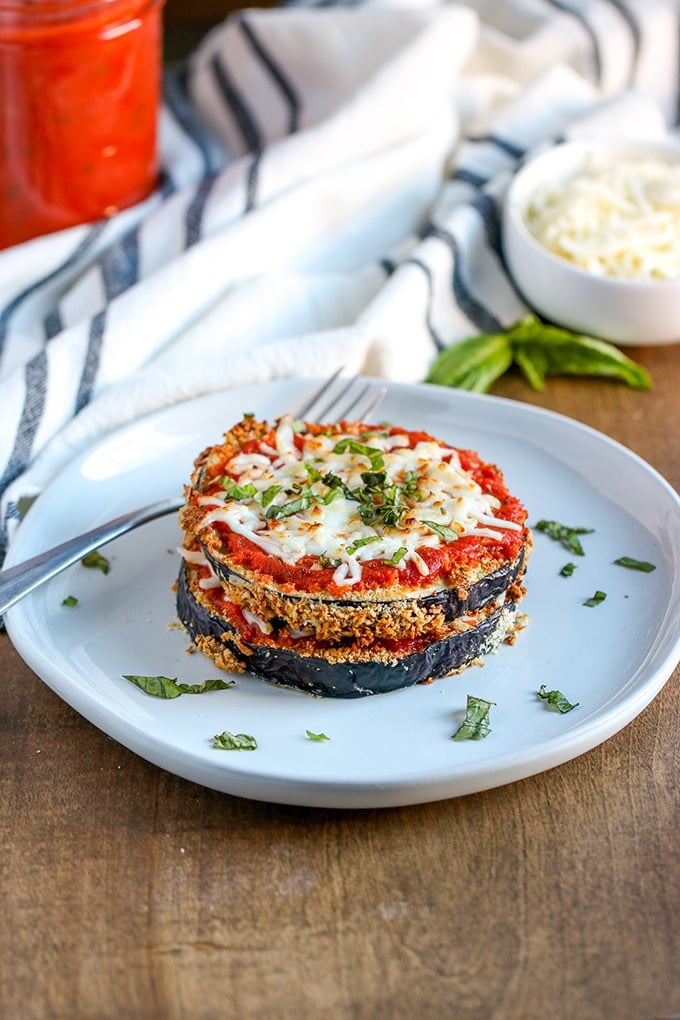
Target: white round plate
{"x": 389, "y": 749}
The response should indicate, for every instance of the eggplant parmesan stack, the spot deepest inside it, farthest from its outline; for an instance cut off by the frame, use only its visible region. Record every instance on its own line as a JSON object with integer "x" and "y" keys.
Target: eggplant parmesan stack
{"x": 346, "y": 560}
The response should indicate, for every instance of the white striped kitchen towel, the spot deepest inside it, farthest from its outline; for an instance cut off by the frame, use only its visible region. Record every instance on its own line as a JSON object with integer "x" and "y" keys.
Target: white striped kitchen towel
{"x": 330, "y": 190}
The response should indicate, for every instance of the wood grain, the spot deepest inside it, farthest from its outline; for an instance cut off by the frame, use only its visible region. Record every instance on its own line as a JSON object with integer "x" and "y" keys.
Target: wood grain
{"x": 127, "y": 892}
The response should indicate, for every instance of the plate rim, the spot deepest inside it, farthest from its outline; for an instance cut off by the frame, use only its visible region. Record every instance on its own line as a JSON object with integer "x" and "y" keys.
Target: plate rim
{"x": 634, "y": 695}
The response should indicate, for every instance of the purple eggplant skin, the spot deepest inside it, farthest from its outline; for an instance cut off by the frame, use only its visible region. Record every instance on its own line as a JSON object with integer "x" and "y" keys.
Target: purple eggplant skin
{"x": 315, "y": 675}
{"x": 453, "y": 602}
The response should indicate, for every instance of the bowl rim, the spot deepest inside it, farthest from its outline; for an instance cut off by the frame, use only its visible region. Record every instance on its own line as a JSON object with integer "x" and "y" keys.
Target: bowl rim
{"x": 513, "y": 201}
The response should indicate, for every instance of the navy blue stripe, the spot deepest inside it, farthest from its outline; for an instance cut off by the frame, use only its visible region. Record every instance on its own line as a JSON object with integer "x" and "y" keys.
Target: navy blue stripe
{"x": 11, "y": 514}
{"x": 9, "y": 310}
{"x": 234, "y": 99}
{"x": 52, "y": 324}
{"x": 277, "y": 73}
{"x": 120, "y": 265}
{"x": 92, "y": 357}
{"x": 193, "y": 222}
{"x": 35, "y": 379}
{"x": 176, "y": 96}
{"x": 470, "y": 305}
{"x": 252, "y": 179}
{"x": 468, "y": 177}
{"x": 583, "y": 21}
{"x": 488, "y": 209}
{"x": 499, "y": 143}
{"x": 439, "y": 343}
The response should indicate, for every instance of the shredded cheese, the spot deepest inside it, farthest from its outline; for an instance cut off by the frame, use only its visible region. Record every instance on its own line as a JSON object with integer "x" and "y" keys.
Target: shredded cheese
{"x": 621, "y": 220}
{"x": 327, "y": 522}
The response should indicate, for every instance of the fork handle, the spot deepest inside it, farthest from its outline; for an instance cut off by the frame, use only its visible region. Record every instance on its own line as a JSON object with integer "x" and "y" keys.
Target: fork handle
{"x": 17, "y": 581}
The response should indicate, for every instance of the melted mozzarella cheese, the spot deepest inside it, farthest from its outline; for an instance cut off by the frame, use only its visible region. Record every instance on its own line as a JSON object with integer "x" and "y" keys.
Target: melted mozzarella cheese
{"x": 620, "y": 220}
{"x": 294, "y": 512}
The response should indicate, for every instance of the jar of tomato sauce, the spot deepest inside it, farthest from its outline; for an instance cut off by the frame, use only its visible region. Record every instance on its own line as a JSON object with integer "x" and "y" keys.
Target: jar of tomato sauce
{"x": 79, "y": 100}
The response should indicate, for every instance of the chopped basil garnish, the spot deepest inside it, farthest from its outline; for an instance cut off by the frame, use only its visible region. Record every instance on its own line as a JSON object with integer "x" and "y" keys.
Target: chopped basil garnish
{"x": 354, "y": 446}
{"x": 564, "y": 534}
{"x": 628, "y": 561}
{"x": 227, "y": 741}
{"x": 97, "y": 561}
{"x": 268, "y": 495}
{"x": 235, "y": 491}
{"x": 361, "y": 542}
{"x": 448, "y": 534}
{"x": 326, "y": 561}
{"x": 167, "y": 687}
{"x": 410, "y": 486}
{"x": 70, "y": 600}
{"x": 397, "y": 558}
{"x": 475, "y": 725}
{"x": 295, "y": 506}
{"x": 313, "y": 473}
{"x": 556, "y": 700}
{"x": 568, "y": 569}
{"x": 595, "y": 599}
{"x": 316, "y": 736}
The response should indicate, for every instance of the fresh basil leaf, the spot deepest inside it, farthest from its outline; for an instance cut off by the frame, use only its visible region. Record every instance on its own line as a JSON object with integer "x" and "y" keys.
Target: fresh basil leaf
{"x": 70, "y": 600}
{"x": 238, "y": 492}
{"x": 448, "y": 534}
{"x": 596, "y": 599}
{"x": 316, "y": 736}
{"x": 295, "y": 506}
{"x": 568, "y": 569}
{"x": 96, "y": 561}
{"x": 397, "y": 557}
{"x": 556, "y": 700}
{"x": 313, "y": 473}
{"x": 628, "y": 561}
{"x": 227, "y": 741}
{"x": 360, "y": 542}
{"x": 168, "y": 687}
{"x": 475, "y": 725}
{"x": 268, "y": 495}
{"x": 561, "y": 352}
{"x": 374, "y": 455}
{"x": 410, "y": 487}
{"x": 539, "y": 350}
{"x": 568, "y": 536}
{"x": 473, "y": 364}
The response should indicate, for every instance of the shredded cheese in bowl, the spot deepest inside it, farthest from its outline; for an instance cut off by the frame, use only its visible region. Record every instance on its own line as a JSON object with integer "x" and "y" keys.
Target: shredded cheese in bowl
{"x": 621, "y": 220}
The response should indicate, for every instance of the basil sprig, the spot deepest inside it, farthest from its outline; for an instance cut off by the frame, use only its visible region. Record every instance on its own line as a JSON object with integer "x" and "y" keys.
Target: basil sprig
{"x": 539, "y": 350}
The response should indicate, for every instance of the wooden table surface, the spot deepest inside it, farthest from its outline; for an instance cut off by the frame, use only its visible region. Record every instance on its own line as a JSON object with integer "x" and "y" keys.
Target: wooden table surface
{"x": 130, "y": 893}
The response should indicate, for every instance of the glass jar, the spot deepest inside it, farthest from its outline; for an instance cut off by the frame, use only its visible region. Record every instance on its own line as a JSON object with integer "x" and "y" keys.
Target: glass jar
{"x": 79, "y": 100}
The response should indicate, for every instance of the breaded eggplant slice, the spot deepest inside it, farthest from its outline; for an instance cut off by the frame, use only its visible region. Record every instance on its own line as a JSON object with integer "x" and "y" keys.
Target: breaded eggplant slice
{"x": 348, "y": 514}
{"x": 386, "y": 618}
{"x": 341, "y": 671}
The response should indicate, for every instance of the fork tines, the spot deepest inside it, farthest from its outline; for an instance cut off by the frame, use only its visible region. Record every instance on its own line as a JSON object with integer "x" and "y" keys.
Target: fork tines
{"x": 342, "y": 399}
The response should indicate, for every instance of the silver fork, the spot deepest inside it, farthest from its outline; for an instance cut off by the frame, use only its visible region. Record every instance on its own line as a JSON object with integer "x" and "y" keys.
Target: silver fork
{"x": 334, "y": 400}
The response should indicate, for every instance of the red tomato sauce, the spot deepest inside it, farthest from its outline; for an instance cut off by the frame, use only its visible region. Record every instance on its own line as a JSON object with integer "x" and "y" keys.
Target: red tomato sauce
{"x": 309, "y": 576}
{"x": 79, "y": 110}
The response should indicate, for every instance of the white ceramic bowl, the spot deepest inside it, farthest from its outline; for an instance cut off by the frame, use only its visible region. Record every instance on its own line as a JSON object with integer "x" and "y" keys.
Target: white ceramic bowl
{"x": 623, "y": 311}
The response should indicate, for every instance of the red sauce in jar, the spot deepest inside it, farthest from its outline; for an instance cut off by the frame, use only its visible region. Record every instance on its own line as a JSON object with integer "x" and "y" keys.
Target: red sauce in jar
{"x": 80, "y": 84}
